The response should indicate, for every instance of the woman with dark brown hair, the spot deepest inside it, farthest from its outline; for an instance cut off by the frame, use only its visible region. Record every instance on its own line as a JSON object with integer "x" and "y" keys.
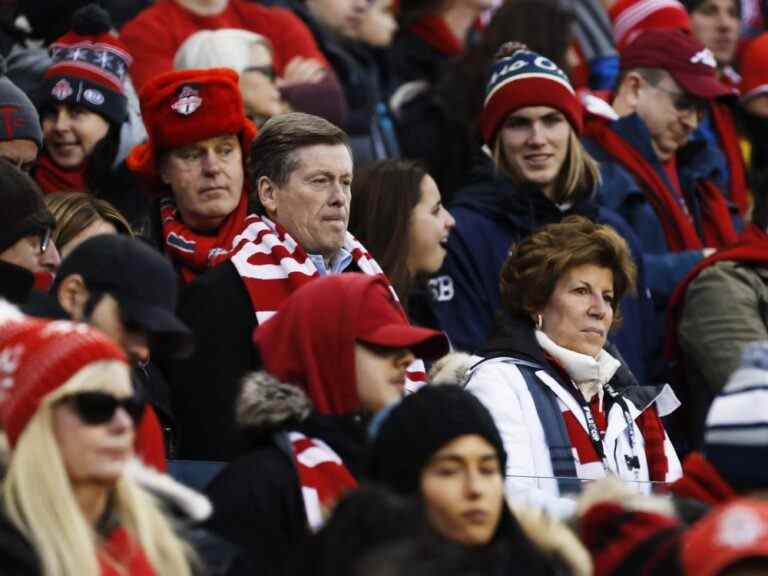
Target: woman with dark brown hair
{"x": 412, "y": 245}
{"x": 567, "y": 409}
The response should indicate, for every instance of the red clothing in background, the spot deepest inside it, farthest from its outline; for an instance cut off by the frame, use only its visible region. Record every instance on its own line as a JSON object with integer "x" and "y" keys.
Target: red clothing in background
{"x": 157, "y": 32}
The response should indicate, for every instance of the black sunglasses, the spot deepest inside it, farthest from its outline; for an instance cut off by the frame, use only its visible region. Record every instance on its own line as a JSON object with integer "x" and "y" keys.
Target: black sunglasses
{"x": 96, "y": 408}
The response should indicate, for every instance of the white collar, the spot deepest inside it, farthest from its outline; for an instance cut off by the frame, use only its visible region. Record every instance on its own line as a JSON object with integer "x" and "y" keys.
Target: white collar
{"x": 588, "y": 373}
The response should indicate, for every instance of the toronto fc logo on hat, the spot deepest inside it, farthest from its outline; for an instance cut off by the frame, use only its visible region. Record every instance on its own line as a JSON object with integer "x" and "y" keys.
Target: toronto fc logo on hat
{"x": 62, "y": 89}
{"x": 187, "y": 101}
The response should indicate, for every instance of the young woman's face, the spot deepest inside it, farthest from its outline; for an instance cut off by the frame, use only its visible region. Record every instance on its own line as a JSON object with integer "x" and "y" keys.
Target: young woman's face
{"x": 380, "y": 375}
{"x": 71, "y": 133}
{"x": 534, "y": 142}
{"x": 428, "y": 230}
{"x": 95, "y": 454}
{"x": 579, "y": 312}
{"x": 463, "y": 489}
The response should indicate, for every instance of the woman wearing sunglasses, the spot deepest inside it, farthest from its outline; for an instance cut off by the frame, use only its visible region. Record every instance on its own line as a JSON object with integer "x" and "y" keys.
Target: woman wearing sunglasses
{"x": 69, "y": 412}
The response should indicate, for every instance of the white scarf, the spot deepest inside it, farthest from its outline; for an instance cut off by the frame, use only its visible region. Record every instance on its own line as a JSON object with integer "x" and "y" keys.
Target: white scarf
{"x": 588, "y": 373}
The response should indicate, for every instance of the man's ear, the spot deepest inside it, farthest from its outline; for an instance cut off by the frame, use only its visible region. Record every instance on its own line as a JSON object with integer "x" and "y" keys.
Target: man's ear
{"x": 267, "y": 192}
{"x": 73, "y": 296}
{"x": 629, "y": 92}
{"x": 162, "y": 169}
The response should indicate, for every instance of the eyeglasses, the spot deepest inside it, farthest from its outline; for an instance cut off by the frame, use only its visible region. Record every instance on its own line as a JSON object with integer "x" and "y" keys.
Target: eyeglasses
{"x": 683, "y": 102}
{"x": 94, "y": 408}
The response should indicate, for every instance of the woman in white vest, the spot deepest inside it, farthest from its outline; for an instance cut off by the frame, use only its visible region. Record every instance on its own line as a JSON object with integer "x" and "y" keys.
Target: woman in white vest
{"x": 568, "y": 410}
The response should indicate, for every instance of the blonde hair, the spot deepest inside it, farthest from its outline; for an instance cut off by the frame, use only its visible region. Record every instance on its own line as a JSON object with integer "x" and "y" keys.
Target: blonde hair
{"x": 228, "y": 47}
{"x": 578, "y": 176}
{"x": 39, "y": 500}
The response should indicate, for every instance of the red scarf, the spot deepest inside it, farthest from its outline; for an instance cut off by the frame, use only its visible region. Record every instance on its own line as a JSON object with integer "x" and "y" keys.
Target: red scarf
{"x": 701, "y": 481}
{"x": 120, "y": 548}
{"x": 435, "y": 32}
{"x": 193, "y": 253}
{"x": 752, "y": 247}
{"x": 323, "y": 477}
{"x": 678, "y": 226}
{"x": 722, "y": 119}
{"x": 53, "y": 178}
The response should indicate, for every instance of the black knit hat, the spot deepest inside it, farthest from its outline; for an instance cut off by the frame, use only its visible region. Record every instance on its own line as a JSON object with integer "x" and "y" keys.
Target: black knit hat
{"x": 421, "y": 425}
{"x": 24, "y": 212}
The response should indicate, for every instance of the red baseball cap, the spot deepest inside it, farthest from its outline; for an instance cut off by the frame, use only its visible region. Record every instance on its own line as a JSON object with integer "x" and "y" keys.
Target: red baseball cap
{"x": 384, "y": 324}
{"x": 689, "y": 62}
{"x": 729, "y": 534}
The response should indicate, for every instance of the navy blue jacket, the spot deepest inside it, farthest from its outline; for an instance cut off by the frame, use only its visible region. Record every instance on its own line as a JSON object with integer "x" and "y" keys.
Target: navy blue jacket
{"x": 493, "y": 213}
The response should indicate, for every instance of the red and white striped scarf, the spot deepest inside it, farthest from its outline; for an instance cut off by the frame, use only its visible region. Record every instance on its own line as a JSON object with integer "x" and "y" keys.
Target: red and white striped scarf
{"x": 322, "y": 475}
{"x": 272, "y": 265}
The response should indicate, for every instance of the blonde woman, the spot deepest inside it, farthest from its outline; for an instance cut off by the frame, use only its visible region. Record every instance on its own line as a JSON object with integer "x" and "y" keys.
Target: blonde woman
{"x": 69, "y": 411}
{"x": 80, "y": 216}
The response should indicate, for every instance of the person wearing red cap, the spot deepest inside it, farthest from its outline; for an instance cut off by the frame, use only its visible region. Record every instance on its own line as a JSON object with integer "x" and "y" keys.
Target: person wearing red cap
{"x": 194, "y": 160}
{"x": 669, "y": 199}
{"x": 69, "y": 413}
{"x": 334, "y": 355}
{"x": 300, "y": 170}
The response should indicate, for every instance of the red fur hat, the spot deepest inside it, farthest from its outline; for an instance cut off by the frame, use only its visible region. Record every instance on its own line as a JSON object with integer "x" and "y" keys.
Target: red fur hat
{"x": 185, "y": 106}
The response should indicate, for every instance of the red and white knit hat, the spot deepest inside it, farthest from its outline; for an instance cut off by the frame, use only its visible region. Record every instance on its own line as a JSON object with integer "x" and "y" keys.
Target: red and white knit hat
{"x": 632, "y": 17}
{"x": 523, "y": 79}
{"x": 89, "y": 66}
{"x": 39, "y": 356}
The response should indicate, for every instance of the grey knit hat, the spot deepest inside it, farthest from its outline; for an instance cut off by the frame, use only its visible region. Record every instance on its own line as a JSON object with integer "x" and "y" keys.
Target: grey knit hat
{"x": 18, "y": 117}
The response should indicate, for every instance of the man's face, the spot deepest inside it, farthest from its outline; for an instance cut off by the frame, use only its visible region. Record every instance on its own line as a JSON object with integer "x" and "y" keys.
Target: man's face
{"x": 344, "y": 17}
{"x": 34, "y": 253}
{"x": 670, "y": 114}
{"x": 715, "y": 23}
{"x": 313, "y": 205}
{"x": 20, "y": 153}
{"x": 108, "y": 318}
{"x": 206, "y": 179}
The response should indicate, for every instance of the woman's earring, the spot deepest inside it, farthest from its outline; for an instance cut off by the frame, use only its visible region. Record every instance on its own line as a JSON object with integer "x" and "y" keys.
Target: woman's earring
{"x": 539, "y": 321}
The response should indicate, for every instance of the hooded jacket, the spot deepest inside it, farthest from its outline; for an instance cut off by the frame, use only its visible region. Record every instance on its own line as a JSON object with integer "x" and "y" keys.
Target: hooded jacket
{"x": 257, "y": 499}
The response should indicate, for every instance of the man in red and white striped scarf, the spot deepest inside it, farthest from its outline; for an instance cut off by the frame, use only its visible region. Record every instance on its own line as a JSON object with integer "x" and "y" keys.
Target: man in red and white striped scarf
{"x": 300, "y": 176}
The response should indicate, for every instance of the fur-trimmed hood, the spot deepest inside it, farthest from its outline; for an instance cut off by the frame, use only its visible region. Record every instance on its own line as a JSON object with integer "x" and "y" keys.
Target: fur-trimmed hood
{"x": 265, "y": 404}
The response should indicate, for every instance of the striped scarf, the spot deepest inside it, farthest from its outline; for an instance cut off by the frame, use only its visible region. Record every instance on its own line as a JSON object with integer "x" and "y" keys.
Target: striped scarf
{"x": 194, "y": 253}
{"x": 272, "y": 266}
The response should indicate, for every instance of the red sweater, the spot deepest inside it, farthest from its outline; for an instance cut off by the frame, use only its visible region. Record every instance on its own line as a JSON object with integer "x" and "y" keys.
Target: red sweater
{"x": 157, "y": 32}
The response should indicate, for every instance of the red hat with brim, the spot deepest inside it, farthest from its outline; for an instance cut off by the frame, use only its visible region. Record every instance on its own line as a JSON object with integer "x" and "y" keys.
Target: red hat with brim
{"x": 186, "y": 106}
{"x": 384, "y": 324}
{"x": 688, "y": 61}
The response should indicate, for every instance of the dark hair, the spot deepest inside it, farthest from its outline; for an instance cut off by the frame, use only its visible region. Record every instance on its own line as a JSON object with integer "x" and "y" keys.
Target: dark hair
{"x": 387, "y": 191}
{"x": 544, "y": 26}
{"x": 100, "y": 162}
{"x": 533, "y": 267}
{"x": 273, "y": 152}
{"x": 363, "y": 521}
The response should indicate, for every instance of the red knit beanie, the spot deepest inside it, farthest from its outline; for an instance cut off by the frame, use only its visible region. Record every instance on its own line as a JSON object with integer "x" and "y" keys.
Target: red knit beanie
{"x": 39, "y": 356}
{"x": 527, "y": 79}
{"x": 632, "y": 17}
{"x": 186, "y": 106}
{"x": 89, "y": 66}
{"x": 753, "y": 66}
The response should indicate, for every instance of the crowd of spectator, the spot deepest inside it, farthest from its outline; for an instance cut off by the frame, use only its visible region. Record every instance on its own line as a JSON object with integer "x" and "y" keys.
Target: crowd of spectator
{"x": 378, "y": 287}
